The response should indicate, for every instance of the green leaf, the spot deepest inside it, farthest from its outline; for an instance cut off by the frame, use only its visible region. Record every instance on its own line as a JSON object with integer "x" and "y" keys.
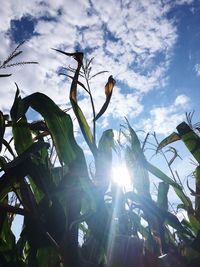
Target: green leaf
{"x": 59, "y": 124}
{"x": 73, "y": 98}
{"x": 159, "y": 174}
{"x": 150, "y": 207}
{"x": 48, "y": 257}
{"x": 2, "y": 129}
{"x": 84, "y": 127}
{"x": 135, "y": 163}
{"x": 190, "y": 139}
{"x": 21, "y": 132}
{"x": 168, "y": 140}
{"x": 104, "y": 158}
{"x": 19, "y": 167}
{"x": 162, "y": 200}
{"x": 108, "y": 92}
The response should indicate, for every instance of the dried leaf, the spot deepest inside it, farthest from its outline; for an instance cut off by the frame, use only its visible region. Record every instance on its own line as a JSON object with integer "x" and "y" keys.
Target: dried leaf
{"x": 108, "y": 91}
{"x": 168, "y": 140}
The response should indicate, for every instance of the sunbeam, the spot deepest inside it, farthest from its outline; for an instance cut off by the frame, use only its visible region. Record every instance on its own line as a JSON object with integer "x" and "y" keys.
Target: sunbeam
{"x": 121, "y": 176}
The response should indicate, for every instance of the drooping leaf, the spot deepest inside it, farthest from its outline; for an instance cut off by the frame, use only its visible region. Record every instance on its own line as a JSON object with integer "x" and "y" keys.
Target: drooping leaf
{"x": 21, "y": 132}
{"x": 159, "y": 174}
{"x": 79, "y": 83}
{"x": 59, "y": 124}
{"x": 19, "y": 167}
{"x": 190, "y": 139}
{"x": 108, "y": 92}
{"x": 168, "y": 140}
{"x": 78, "y": 56}
{"x": 152, "y": 209}
{"x": 5, "y": 75}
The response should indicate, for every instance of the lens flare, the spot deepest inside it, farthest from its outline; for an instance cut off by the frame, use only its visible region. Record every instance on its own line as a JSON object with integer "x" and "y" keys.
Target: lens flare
{"x": 121, "y": 177}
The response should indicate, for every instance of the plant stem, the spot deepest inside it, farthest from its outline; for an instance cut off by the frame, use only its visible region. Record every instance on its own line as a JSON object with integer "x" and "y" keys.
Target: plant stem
{"x": 92, "y": 103}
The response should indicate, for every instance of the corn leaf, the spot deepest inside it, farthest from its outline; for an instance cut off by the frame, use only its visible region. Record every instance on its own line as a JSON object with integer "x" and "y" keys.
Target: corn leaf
{"x": 78, "y": 56}
{"x": 135, "y": 163}
{"x": 150, "y": 207}
{"x": 104, "y": 158}
{"x": 162, "y": 200}
{"x": 190, "y": 139}
{"x": 2, "y": 129}
{"x": 21, "y": 132}
{"x": 159, "y": 174}
{"x": 5, "y": 75}
{"x": 48, "y": 257}
{"x": 85, "y": 128}
{"x": 108, "y": 92}
{"x": 59, "y": 124}
{"x": 168, "y": 140}
{"x": 79, "y": 83}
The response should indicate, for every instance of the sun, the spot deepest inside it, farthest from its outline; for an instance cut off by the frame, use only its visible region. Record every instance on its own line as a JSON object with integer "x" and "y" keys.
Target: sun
{"x": 121, "y": 176}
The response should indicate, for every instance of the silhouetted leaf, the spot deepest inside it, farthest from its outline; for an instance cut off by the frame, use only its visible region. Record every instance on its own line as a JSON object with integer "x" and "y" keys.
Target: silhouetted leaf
{"x": 98, "y": 73}
{"x": 5, "y": 75}
{"x": 2, "y": 129}
{"x": 190, "y": 139}
{"x": 79, "y": 83}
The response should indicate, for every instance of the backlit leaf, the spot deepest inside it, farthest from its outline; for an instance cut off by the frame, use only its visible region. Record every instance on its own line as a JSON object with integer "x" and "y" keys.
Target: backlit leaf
{"x": 190, "y": 139}
{"x": 168, "y": 140}
{"x": 59, "y": 124}
{"x": 108, "y": 92}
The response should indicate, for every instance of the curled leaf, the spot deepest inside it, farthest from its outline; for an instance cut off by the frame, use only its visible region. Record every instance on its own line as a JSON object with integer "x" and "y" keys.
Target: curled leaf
{"x": 168, "y": 140}
{"x": 108, "y": 92}
{"x": 5, "y": 75}
{"x": 78, "y": 56}
{"x": 190, "y": 139}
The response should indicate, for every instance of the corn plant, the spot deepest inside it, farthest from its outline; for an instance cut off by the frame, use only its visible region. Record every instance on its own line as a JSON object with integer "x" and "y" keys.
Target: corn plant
{"x": 59, "y": 202}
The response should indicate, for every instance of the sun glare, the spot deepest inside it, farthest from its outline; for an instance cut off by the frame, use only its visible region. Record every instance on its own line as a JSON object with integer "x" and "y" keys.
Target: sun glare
{"x": 120, "y": 176}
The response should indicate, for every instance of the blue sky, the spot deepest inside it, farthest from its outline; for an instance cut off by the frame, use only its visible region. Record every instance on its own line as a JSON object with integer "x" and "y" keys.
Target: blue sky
{"x": 151, "y": 47}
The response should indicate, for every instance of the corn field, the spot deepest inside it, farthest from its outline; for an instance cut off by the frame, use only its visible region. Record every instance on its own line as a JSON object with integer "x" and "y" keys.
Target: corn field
{"x": 74, "y": 216}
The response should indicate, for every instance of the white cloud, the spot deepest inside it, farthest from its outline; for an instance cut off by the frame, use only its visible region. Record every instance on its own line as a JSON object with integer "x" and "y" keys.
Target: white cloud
{"x": 163, "y": 120}
{"x": 127, "y": 38}
{"x": 181, "y": 100}
{"x": 197, "y": 69}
